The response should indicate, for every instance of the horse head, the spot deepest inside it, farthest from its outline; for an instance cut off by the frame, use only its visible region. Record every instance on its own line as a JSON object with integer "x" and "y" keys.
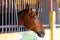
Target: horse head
{"x": 28, "y": 17}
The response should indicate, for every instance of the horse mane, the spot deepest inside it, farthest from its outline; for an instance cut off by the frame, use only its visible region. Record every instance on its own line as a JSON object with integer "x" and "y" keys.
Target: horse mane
{"x": 21, "y": 14}
{"x": 22, "y": 11}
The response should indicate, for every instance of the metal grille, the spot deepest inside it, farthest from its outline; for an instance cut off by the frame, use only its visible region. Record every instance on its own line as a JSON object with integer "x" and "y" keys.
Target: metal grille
{"x": 9, "y": 9}
{"x": 8, "y": 17}
{"x": 8, "y": 14}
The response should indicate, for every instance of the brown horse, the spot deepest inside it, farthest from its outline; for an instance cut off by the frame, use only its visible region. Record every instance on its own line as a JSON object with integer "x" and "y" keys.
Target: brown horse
{"x": 30, "y": 20}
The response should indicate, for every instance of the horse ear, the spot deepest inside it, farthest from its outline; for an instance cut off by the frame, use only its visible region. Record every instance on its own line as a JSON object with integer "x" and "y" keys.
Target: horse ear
{"x": 27, "y": 6}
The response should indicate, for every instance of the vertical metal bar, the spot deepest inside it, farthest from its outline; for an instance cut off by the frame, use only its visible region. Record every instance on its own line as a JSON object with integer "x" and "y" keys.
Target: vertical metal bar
{"x": 2, "y": 29}
{"x": 12, "y": 12}
{"x": 6, "y": 12}
{"x": 15, "y": 13}
{"x": 29, "y": 1}
{"x": 15, "y": 29}
{"x": 6, "y": 30}
{"x": 9, "y": 11}
{"x": 2, "y": 12}
{"x": 18, "y": 29}
{"x": 9, "y": 29}
{"x": 14, "y": 7}
{"x": 24, "y": 4}
{"x": 20, "y": 5}
{"x": 21, "y": 29}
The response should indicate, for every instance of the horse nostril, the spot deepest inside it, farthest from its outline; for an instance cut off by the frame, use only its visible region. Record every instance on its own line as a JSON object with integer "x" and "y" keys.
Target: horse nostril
{"x": 41, "y": 33}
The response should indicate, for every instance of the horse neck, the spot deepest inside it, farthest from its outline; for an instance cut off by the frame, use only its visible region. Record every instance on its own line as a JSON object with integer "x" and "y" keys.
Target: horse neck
{"x": 21, "y": 17}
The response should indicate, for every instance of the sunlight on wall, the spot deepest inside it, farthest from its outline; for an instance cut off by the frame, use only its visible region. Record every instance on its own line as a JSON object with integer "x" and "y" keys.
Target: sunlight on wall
{"x": 9, "y": 36}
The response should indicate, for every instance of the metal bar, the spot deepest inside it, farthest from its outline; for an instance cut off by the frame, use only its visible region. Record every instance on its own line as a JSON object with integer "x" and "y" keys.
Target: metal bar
{"x": 6, "y": 12}
{"x": 8, "y": 26}
{"x": 20, "y": 4}
{"x": 2, "y": 30}
{"x": 17, "y": 29}
{"x": 24, "y": 4}
{"x": 12, "y": 29}
{"x": 22, "y": 26}
{"x": 2, "y": 12}
{"x": 9, "y": 10}
{"x": 48, "y": 25}
{"x": 16, "y": 14}
{"x": 29, "y": 1}
{"x": 6, "y": 30}
{"x": 9, "y": 29}
{"x": 17, "y": 4}
{"x": 12, "y": 13}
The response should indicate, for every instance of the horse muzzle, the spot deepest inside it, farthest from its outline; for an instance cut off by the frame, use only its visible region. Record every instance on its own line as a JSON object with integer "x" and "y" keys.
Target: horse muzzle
{"x": 41, "y": 33}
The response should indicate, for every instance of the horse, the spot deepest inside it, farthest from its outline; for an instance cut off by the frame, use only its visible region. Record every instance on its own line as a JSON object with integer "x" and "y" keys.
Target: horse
{"x": 30, "y": 20}
{"x": 27, "y": 17}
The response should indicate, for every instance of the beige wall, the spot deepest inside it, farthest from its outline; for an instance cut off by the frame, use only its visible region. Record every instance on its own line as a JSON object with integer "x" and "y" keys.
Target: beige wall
{"x": 9, "y": 36}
